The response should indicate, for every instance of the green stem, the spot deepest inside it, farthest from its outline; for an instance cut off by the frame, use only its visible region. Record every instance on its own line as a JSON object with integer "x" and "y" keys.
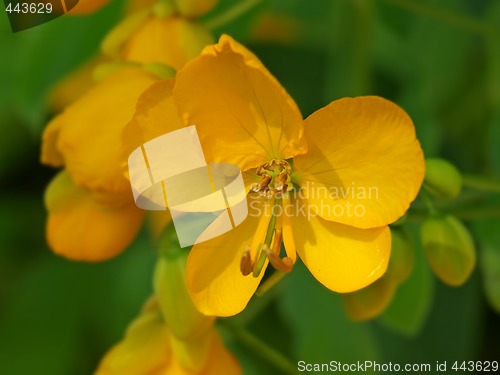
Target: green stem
{"x": 267, "y": 285}
{"x": 231, "y": 14}
{"x": 457, "y": 20}
{"x": 478, "y": 210}
{"x": 481, "y": 183}
{"x": 261, "y": 348}
{"x": 426, "y": 198}
{"x": 267, "y": 241}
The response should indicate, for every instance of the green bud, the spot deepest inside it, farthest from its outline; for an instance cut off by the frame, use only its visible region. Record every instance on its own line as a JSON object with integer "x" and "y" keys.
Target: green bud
{"x": 179, "y": 312}
{"x": 402, "y": 256}
{"x": 449, "y": 248}
{"x": 442, "y": 179}
{"x": 114, "y": 41}
{"x": 164, "y": 8}
{"x": 102, "y": 71}
{"x": 160, "y": 70}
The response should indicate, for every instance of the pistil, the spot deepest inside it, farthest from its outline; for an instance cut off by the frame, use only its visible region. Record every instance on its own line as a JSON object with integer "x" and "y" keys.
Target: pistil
{"x": 269, "y": 249}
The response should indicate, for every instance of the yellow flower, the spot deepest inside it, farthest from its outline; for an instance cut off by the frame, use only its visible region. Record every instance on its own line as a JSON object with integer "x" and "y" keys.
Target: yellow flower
{"x": 338, "y": 178}
{"x": 150, "y": 348}
{"x": 170, "y": 336}
{"x": 92, "y": 215}
{"x": 142, "y": 38}
{"x": 161, "y": 34}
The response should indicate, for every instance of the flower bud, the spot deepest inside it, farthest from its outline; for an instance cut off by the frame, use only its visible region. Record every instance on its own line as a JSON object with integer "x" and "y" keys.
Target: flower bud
{"x": 449, "y": 248}
{"x": 116, "y": 38}
{"x": 442, "y": 179}
{"x": 145, "y": 347}
{"x": 193, "y": 354}
{"x": 371, "y": 301}
{"x": 194, "y": 8}
{"x": 402, "y": 256}
{"x": 179, "y": 312}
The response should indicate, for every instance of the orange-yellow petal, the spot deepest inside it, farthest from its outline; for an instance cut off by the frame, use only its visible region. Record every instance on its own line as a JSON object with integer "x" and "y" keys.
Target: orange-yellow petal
{"x": 244, "y": 116}
{"x": 86, "y": 6}
{"x": 364, "y": 164}
{"x": 218, "y": 360}
{"x": 213, "y": 274}
{"x": 341, "y": 257}
{"x": 155, "y": 115}
{"x": 171, "y": 41}
{"x": 137, "y": 5}
{"x": 80, "y": 228}
{"x": 90, "y": 130}
{"x": 145, "y": 350}
{"x": 50, "y": 154}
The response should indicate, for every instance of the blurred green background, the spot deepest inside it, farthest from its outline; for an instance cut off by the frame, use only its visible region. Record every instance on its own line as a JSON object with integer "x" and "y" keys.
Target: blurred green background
{"x": 438, "y": 59}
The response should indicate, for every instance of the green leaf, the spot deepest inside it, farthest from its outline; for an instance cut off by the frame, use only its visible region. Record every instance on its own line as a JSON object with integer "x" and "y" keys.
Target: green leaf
{"x": 410, "y": 307}
{"x": 320, "y": 328}
{"x": 490, "y": 264}
{"x": 63, "y": 316}
{"x": 489, "y": 258}
{"x": 455, "y": 313}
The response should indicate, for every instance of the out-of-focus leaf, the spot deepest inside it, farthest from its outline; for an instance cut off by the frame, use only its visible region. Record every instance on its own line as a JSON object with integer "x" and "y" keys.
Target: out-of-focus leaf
{"x": 490, "y": 264}
{"x": 40, "y": 322}
{"x": 493, "y": 81}
{"x": 455, "y": 313}
{"x": 300, "y": 70}
{"x": 64, "y": 315}
{"x": 269, "y": 327}
{"x": 488, "y": 235}
{"x": 16, "y": 145}
{"x": 410, "y": 307}
{"x": 319, "y": 325}
{"x": 439, "y": 54}
{"x": 348, "y": 52}
{"x": 429, "y": 129}
{"x": 34, "y": 59}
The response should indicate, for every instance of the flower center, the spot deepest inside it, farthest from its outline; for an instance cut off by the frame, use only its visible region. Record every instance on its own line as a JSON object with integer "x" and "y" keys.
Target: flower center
{"x": 274, "y": 178}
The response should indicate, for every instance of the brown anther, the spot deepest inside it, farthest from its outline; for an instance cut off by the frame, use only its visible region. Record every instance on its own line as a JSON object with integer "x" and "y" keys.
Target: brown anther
{"x": 281, "y": 182}
{"x": 283, "y": 265}
{"x": 246, "y": 264}
{"x": 262, "y": 186}
{"x": 264, "y": 181}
